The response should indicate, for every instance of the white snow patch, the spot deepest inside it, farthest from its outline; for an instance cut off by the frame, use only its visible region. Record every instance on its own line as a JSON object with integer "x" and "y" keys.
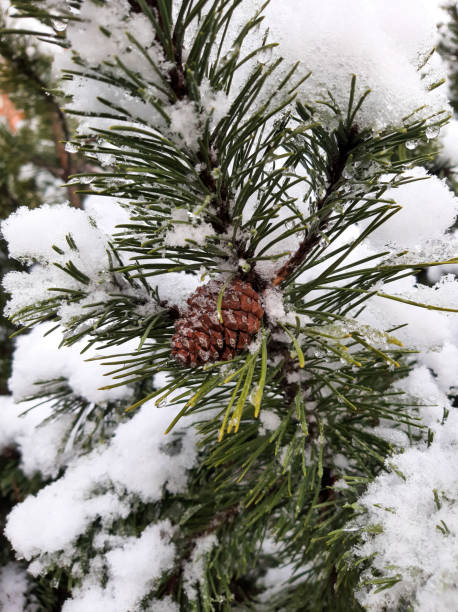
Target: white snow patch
{"x": 39, "y": 443}
{"x": 269, "y": 419}
{"x": 182, "y": 230}
{"x": 419, "y": 537}
{"x": 428, "y": 210}
{"x": 14, "y": 585}
{"x": 133, "y": 568}
{"x": 38, "y": 358}
{"x": 138, "y": 461}
{"x": 195, "y": 567}
{"x": 449, "y": 142}
{"x": 382, "y": 44}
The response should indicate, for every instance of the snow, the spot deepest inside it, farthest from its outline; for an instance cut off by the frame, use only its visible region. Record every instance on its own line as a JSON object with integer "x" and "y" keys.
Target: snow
{"x": 175, "y": 287}
{"x": 182, "y": 231}
{"x": 140, "y": 455}
{"x": 381, "y": 43}
{"x": 61, "y": 513}
{"x": 34, "y": 45}
{"x": 102, "y": 484}
{"x": 436, "y": 273}
{"x": 28, "y": 288}
{"x": 276, "y": 578}
{"x": 272, "y": 302}
{"x": 38, "y": 358}
{"x": 184, "y": 120}
{"x": 426, "y": 329}
{"x": 443, "y": 294}
{"x": 164, "y": 605}
{"x": 278, "y": 245}
{"x": 444, "y": 363}
{"x": 133, "y": 567}
{"x": 195, "y": 567}
{"x": 91, "y": 231}
{"x": 419, "y": 536}
{"x": 270, "y": 421}
{"x": 444, "y": 250}
{"x": 215, "y": 103}
{"x": 14, "y": 585}
{"x": 396, "y": 437}
{"x": 8, "y": 416}
{"x": 106, "y": 212}
{"x": 92, "y": 45}
{"x": 448, "y": 140}
{"x": 89, "y": 94}
{"x": 422, "y": 387}
{"x": 41, "y": 447}
{"x": 32, "y": 233}
{"x": 101, "y": 34}
{"x": 39, "y": 443}
{"x": 428, "y": 210}
{"x": 48, "y": 186}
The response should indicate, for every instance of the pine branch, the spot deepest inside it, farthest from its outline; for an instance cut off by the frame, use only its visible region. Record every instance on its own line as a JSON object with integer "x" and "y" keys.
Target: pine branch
{"x": 179, "y": 85}
{"x": 314, "y": 235}
{"x": 20, "y": 67}
{"x": 61, "y": 136}
{"x": 324, "y": 380}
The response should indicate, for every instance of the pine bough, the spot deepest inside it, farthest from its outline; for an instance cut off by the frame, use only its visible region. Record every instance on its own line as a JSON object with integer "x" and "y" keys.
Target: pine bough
{"x": 214, "y": 158}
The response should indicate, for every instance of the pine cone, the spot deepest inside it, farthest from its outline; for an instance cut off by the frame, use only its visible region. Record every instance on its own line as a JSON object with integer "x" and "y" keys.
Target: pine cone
{"x": 200, "y": 336}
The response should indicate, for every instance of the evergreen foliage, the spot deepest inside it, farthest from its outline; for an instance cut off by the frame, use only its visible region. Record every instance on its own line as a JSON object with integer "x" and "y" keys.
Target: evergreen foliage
{"x": 289, "y": 431}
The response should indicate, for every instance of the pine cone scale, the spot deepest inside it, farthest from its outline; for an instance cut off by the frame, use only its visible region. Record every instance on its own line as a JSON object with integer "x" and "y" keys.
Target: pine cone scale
{"x": 200, "y": 337}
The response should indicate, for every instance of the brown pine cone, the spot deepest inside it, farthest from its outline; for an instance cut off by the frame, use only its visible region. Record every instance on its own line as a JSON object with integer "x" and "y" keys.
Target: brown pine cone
{"x": 200, "y": 337}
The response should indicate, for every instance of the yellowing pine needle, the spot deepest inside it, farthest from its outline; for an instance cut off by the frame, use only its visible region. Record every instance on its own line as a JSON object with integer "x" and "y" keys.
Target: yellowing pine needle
{"x": 297, "y": 348}
{"x": 238, "y": 412}
{"x": 204, "y": 389}
{"x": 219, "y": 303}
{"x": 376, "y": 351}
{"x": 228, "y": 409}
{"x": 262, "y": 378}
{"x": 393, "y": 340}
{"x": 236, "y": 373}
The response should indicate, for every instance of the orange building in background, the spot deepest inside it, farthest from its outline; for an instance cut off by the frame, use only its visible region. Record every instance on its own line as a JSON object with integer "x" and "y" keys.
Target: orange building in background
{"x": 10, "y": 112}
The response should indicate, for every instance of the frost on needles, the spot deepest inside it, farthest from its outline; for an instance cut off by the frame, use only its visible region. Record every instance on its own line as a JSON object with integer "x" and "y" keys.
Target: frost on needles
{"x": 284, "y": 145}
